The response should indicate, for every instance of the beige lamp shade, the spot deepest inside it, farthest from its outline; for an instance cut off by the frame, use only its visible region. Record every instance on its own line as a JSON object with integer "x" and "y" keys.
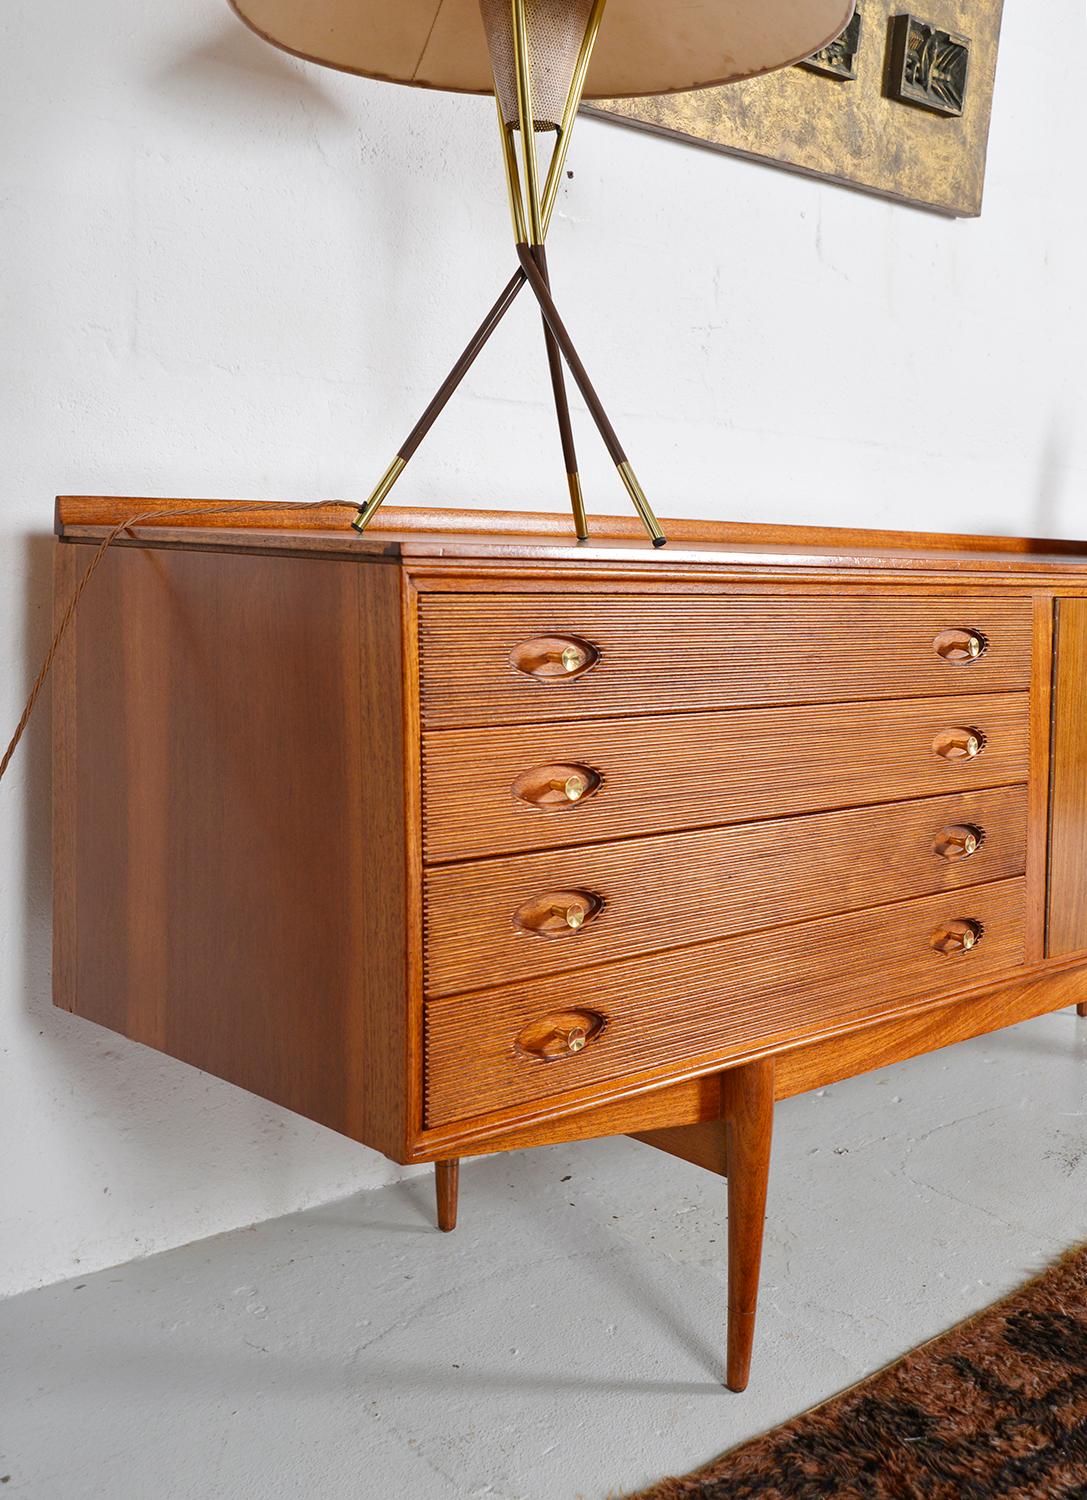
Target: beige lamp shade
{"x": 644, "y": 47}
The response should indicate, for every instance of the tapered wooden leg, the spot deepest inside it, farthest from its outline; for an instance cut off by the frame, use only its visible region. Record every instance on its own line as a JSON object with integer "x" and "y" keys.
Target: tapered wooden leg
{"x": 1081, "y": 1008}
{"x": 747, "y": 1104}
{"x": 447, "y": 1181}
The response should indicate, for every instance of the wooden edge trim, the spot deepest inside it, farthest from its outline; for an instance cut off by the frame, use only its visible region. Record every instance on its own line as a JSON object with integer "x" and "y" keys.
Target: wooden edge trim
{"x": 64, "y": 769}
{"x": 487, "y": 1131}
{"x": 105, "y": 510}
{"x": 1041, "y": 716}
{"x": 676, "y": 1107}
{"x": 413, "y": 855}
{"x": 1052, "y": 820}
{"x": 444, "y": 564}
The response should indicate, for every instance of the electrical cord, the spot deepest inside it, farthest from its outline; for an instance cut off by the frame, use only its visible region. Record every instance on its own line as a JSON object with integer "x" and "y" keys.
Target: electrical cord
{"x": 100, "y": 552}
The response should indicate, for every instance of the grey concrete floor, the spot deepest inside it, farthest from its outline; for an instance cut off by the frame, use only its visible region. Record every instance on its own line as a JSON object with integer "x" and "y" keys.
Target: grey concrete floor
{"x": 566, "y": 1341}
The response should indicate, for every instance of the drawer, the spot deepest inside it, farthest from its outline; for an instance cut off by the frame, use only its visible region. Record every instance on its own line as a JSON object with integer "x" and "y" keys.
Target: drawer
{"x": 549, "y": 913}
{"x": 536, "y": 787}
{"x": 497, "y": 659}
{"x": 515, "y": 1047}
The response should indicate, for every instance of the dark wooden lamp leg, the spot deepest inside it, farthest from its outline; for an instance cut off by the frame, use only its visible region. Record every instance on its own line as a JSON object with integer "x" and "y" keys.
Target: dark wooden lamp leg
{"x": 562, "y": 411}
{"x": 447, "y": 1181}
{"x": 747, "y": 1104}
{"x": 505, "y": 301}
{"x": 541, "y": 291}
{"x": 530, "y": 213}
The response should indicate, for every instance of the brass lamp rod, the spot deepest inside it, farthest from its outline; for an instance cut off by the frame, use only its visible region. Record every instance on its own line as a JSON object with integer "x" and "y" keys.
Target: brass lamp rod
{"x": 530, "y": 215}
{"x": 513, "y": 183}
{"x": 526, "y": 119}
{"x": 526, "y": 123}
{"x": 569, "y": 114}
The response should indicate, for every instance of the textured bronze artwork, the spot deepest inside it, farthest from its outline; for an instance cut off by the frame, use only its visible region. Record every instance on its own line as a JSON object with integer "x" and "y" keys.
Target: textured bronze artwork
{"x": 929, "y": 67}
{"x": 840, "y": 58}
{"x": 854, "y": 119}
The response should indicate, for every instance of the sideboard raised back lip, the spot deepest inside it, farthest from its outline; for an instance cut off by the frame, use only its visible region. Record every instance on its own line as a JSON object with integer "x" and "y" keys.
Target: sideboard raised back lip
{"x": 433, "y": 535}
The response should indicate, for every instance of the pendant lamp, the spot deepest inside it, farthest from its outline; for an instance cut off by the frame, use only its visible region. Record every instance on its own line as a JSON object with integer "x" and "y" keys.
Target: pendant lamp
{"x": 540, "y": 58}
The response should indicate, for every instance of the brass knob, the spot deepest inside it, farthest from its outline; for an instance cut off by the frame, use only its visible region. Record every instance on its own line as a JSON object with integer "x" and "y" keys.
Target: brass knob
{"x": 557, "y": 913}
{"x": 559, "y": 1034}
{"x": 555, "y": 787}
{"x": 554, "y": 659}
{"x": 960, "y": 646}
{"x": 959, "y": 936}
{"x": 959, "y": 743}
{"x": 958, "y": 842}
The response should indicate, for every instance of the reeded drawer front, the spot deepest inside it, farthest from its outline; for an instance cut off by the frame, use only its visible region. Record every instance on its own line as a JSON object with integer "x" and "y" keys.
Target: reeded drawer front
{"x": 536, "y": 787}
{"x": 526, "y": 915}
{"x": 507, "y": 659}
{"x": 525, "y": 1044}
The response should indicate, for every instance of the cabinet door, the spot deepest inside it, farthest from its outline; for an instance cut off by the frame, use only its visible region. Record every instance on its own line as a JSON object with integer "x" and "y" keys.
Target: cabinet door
{"x": 1068, "y": 815}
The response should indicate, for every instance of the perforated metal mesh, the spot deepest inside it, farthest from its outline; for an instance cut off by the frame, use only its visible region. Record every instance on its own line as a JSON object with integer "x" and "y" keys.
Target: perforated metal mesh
{"x": 556, "y": 29}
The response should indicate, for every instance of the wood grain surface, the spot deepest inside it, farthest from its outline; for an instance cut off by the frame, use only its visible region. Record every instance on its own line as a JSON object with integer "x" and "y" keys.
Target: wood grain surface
{"x": 703, "y": 1144}
{"x": 674, "y": 889}
{"x": 1068, "y": 814}
{"x": 1041, "y": 728}
{"x": 231, "y": 824}
{"x": 687, "y": 770}
{"x": 747, "y": 1104}
{"x": 246, "y": 757}
{"x": 437, "y": 544}
{"x": 452, "y": 522}
{"x": 712, "y": 1000}
{"x": 666, "y": 653}
{"x": 871, "y": 1043}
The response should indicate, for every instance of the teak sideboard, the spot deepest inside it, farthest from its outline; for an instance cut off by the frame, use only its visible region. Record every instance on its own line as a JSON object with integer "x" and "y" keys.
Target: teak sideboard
{"x": 461, "y": 837}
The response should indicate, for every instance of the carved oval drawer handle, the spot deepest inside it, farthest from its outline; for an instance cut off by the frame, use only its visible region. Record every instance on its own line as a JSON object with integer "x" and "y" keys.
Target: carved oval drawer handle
{"x": 557, "y": 914}
{"x": 556, "y": 788}
{"x": 959, "y": 841}
{"x": 961, "y": 646}
{"x": 563, "y": 1033}
{"x": 959, "y": 936}
{"x": 959, "y": 743}
{"x": 554, "y": 659}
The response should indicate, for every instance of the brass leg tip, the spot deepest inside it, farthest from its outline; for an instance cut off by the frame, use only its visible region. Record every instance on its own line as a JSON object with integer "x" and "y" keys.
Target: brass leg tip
{"x": 388, "y": 479}
{"x": 581, "y": 521}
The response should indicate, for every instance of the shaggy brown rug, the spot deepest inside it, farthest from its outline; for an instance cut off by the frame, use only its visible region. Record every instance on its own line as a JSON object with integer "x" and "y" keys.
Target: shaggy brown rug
{"x": 995, "y": 1407}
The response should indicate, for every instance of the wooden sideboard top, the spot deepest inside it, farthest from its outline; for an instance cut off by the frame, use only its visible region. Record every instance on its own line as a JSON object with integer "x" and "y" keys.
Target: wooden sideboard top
{"x": 433, "y": 535}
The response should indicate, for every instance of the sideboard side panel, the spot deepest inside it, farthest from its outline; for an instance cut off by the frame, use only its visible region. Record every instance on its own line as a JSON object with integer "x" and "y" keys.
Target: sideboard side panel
{"x": 230, "y": 814}
{"x": 1068, "y": 813}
